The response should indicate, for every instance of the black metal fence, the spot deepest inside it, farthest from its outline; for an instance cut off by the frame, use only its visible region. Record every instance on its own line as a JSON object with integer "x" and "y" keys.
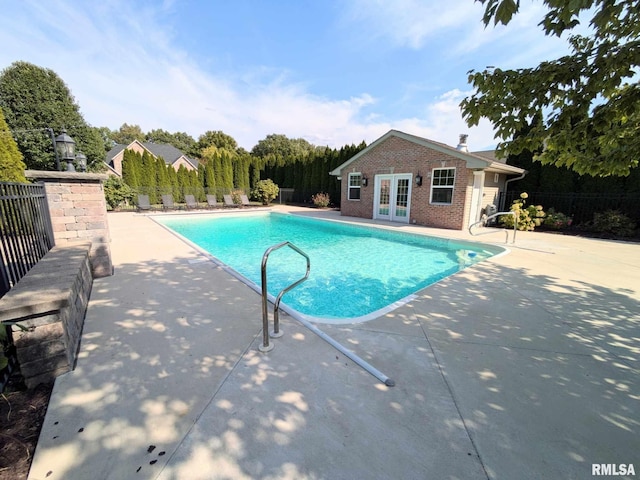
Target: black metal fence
{"x": 26, "y": 234}
{"x": 580, "y": 206}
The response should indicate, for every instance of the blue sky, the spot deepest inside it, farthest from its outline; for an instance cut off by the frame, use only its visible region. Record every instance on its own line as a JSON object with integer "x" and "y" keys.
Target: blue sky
{"x": 334, "y": 72}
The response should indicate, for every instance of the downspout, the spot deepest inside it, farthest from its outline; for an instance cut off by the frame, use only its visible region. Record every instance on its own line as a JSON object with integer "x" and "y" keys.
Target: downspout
{"x": 506, "y": 183}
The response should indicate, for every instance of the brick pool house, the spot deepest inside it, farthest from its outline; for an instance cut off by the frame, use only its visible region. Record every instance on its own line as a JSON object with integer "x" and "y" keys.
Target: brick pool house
{"x": 409, "y": 179}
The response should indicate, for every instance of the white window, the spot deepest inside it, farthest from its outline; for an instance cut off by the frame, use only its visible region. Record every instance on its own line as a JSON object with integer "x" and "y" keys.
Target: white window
{"x": 355, "y": 182}
{"x": 442, "y": 180}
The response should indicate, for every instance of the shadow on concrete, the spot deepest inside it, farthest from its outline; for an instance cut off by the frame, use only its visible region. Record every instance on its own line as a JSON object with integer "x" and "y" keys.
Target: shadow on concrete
{"x": 544, "y": 370}
{"x": 501, "y": 372}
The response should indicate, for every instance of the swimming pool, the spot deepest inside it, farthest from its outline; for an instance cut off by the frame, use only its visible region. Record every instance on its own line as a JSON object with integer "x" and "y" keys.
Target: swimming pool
{"x": 357, "y": 272}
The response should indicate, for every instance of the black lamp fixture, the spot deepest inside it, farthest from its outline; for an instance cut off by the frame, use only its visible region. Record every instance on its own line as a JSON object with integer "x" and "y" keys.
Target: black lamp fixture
{"x": 365, "y": 181}
{"x": 81, "y": 160}
{"x": 419, "y": 180}
{"x": 66, "y": 147}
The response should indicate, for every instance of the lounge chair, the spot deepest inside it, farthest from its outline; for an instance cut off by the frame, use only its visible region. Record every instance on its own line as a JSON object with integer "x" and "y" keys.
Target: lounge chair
{"x": 228, "y": 201}
{"x": 167, "y": 202}
{"x": 190, "y": 200}
{"x": 212, "y": 201}
{"x": 143, "y": 203}
{"x": 245, "y": 201}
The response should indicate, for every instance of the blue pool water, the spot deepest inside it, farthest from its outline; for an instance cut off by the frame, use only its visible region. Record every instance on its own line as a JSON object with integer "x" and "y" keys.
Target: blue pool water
{"x": 355, "y": 270}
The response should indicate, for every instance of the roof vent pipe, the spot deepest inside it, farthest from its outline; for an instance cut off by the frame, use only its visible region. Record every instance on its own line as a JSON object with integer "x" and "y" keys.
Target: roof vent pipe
{"x": 462, "y": 146}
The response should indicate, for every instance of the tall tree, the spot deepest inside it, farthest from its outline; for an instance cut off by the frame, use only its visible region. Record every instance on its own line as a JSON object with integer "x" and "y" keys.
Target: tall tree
{"x": 127, "y": 134}
{"x": 148, "y": 178}
{"x": 106, "y": 136}
{"x": 209, "y": 179}
{"x": 218, "y": 171}
{"x": 35, "y": 99}
{"x": 182, "y": 141}
{"x": 589, "y": 101}
{"x": 184, "y": 183}
{"x": 132, "y": 168}
{"x": 11, "y": 165}
{"x": 162, "y": 177}
{"x": 277, "y": 149}
{"x": 227, "y": 172}
{"x": 219, "y": 139}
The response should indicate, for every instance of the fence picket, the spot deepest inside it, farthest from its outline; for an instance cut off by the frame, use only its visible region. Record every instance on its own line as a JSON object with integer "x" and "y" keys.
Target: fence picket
{"x": 26, "y": 234}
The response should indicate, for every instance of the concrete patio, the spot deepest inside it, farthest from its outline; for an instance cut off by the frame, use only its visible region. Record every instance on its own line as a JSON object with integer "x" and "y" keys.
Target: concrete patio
{"x": 524, "y": 366}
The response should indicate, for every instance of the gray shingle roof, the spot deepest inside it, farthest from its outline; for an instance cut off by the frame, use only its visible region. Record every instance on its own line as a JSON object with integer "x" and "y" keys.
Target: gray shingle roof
{"x": 168, "y": 152}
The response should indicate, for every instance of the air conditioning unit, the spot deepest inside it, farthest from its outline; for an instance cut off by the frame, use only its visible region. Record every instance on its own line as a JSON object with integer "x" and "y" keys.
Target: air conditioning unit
{"x": 490, "y": 210}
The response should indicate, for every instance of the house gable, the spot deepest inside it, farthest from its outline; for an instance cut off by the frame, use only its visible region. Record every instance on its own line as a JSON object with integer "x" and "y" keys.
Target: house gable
{"x": 397, "y": 156}
{"x": 171, "y": 155}
{"x": 472, "y": 161}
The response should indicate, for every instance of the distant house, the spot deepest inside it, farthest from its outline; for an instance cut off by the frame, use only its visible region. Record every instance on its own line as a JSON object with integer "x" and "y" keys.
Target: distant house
{"x": 171, "y": 155}
{"x": 409, "y": 179}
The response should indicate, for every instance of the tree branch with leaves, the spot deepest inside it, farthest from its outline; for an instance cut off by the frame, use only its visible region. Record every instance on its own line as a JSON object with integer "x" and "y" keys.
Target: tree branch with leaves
{"x": 582, "y": 110}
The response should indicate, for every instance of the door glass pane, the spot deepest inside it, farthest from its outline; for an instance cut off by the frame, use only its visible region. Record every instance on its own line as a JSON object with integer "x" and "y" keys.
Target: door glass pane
{"x": 383, "y": 207}
{"x": 402, "y": 197}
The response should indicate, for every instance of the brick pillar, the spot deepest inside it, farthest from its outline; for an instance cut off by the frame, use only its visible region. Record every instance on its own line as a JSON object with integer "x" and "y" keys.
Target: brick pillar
{"x": 79, "y": 213}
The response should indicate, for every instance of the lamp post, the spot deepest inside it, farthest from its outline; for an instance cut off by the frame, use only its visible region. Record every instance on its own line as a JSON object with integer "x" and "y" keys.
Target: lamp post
{"x": 66, "y": 147}
{"x": 55, "y": 150}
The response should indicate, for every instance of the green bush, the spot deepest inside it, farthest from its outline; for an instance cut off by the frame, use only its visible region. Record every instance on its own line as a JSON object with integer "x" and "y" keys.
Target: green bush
{"x": 265, "y": 191}
{"x": 557, "y": 220}
{"x": 116, "y": 192}
{"x": 528, "y": 218}
{"x": 321, "y": 200}
{"x": 613, "y": 222}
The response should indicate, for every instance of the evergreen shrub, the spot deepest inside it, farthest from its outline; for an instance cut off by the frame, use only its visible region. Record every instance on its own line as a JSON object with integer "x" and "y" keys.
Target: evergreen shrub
{"x": 613, "y": 222}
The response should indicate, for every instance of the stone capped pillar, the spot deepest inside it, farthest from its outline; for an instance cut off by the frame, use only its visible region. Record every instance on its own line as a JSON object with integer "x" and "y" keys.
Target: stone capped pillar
{"x": 79, "y": 213}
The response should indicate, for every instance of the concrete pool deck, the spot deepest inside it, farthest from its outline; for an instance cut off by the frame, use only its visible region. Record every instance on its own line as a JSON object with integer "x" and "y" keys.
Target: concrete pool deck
{"x": 524, "y": 366}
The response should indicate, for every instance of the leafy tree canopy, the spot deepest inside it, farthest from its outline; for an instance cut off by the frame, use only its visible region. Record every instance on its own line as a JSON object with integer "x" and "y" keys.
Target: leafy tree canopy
{"x": 181, "y": 140}
{"x": 127, "y": 134}
{"x": 106, "y": 136}
{"x": 35, "y": 99}
{"x": 217, "y": 138}
{"x": 582, "y": 110}
{"x": 278, "y": 149}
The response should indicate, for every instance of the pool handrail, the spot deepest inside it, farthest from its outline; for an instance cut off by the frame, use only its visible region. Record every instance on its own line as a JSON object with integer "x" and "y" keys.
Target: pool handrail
{"x": 265, "y": 347}
{"x": 485, "y": 220}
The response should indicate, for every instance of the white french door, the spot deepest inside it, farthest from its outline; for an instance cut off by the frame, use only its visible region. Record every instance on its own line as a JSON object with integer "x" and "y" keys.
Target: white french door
{"x": 392, "y": 199}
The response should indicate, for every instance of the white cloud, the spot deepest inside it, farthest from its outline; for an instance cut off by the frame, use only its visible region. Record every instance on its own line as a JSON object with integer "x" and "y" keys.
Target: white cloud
{"x": 122, "y": 65}
{"x": 415, "y": 24}
{"x": 410, "y": 23}
{"x": 443, "y": 123}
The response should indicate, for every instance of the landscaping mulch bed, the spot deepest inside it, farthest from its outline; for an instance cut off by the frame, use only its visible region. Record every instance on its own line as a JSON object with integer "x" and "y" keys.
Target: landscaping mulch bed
{"x": 22, "y": 413}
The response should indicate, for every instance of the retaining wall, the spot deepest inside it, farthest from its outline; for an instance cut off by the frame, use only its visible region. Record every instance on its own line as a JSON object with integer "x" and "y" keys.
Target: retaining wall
{"x": 50, "y": 302}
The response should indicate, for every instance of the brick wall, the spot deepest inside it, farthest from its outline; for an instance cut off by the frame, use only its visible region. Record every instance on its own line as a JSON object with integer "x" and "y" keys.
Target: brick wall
{"x": 79, "y": 213}
{"x": 396, "y": 155}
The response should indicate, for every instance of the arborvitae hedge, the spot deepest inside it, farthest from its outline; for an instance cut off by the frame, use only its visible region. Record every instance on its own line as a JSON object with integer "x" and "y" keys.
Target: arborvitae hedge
{"x": 310, "y": 175}
{"x": 224, "y": 172}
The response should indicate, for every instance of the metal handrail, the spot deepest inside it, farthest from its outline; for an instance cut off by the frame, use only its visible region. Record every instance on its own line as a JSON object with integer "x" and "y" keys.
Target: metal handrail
{"x": 265, "y": 347}
{"x": 484, "y": 222}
